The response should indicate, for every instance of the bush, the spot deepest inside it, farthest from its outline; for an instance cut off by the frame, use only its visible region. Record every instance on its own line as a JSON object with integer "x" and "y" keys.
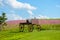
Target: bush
{"x": 50, "y": 27}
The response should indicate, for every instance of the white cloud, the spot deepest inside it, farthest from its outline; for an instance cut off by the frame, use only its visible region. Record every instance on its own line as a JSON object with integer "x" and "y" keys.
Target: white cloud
{"x": 1, "y": 3}
{"x": 16, "y": 17}
{"x": 42, "y": 17}
{"x": 30, "y": 12}
{"x": 17, "y": 4}
{"x": 13, "y": 16}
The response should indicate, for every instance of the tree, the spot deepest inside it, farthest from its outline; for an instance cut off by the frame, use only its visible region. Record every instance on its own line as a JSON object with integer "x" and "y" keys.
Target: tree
{"x": 2, "y": 20}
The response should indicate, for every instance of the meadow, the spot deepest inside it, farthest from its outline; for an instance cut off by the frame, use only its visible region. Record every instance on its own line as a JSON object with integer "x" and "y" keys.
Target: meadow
{"x": 47, "y": 33}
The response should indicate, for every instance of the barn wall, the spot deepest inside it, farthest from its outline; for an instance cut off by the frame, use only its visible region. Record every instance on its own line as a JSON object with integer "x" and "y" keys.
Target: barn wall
{"x": 36, "y": 21}
{"x": 45, "y": 21}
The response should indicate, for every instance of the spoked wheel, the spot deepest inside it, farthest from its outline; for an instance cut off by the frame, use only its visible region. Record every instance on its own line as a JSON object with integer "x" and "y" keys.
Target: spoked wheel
{"x": 30, "y": 28}
{"x": 38, "y": 27}
{"x": 21, "y": 28}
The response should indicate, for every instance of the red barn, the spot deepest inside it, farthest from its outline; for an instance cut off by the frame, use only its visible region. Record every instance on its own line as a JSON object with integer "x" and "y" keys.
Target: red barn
{"x": 36, "y": 21}
{"x": 45, "y": 21}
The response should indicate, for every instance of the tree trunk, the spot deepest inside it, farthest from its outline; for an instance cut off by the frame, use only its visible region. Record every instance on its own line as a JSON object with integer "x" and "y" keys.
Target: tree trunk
{"x": 0, "y": 27}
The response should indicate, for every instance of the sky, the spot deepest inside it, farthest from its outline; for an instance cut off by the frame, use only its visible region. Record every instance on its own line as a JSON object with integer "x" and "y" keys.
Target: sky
{"x": 26, "y": 9}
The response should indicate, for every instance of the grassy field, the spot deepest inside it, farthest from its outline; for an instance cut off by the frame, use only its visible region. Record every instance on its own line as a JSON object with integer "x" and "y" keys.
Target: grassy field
{"x": 48, "y": 32}
{"x": 35, "y": 35}
{"x": 50, "y": 26}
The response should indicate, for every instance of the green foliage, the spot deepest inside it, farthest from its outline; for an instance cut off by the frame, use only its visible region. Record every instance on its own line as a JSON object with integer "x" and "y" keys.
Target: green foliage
{"x": 4, "y": 17}
{"x": 2, "y": 20}
{"x": 50, "y": 27}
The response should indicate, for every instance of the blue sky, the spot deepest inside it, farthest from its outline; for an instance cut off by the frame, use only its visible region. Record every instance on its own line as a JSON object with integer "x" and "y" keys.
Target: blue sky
{"x": 24, "y": 9}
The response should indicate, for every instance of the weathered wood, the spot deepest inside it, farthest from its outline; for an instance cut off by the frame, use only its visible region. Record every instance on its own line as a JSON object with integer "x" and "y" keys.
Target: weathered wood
{"x": 30, "y": 26}
{"x": 38, "y": 27}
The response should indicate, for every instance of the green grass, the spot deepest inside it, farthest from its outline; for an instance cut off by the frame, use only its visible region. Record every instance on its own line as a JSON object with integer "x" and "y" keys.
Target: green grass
{"x": 48, "y": 32}
{"x": 35, "y": 35}
{"x": 50, "y": 26}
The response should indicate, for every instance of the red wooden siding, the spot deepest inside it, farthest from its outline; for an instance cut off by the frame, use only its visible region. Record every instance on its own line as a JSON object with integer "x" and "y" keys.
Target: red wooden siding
{"x": 45, "y": 21}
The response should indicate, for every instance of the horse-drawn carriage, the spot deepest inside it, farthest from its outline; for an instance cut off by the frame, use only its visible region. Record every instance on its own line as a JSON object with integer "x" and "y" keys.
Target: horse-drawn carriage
{"x": 30, "y": 25}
